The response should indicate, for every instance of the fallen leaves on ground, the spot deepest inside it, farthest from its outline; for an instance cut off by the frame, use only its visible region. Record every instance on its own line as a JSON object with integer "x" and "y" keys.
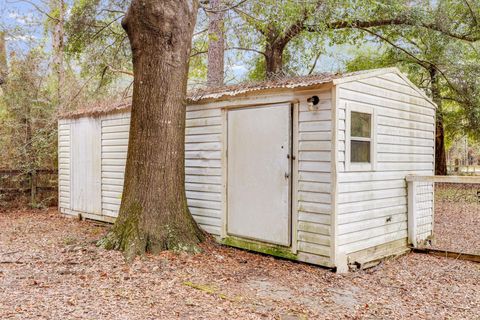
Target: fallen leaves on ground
{"x": 457, "y": 218}
{"x": 50, "y": 268}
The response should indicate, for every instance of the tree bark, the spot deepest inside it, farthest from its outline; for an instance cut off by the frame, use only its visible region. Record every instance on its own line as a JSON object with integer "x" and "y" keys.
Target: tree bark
{"x": 58, "y": 46}
{"x": 274, "y": 59}
{"x": 153, "y": 214}
{"x": 440, "y": 153}
{"x": 216, "y": 46}
{"x": 277, "y": 41}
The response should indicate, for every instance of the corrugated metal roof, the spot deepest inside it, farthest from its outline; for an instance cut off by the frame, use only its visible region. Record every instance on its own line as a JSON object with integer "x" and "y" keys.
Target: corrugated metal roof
{"x": 98, "y": 109}
{"x": 279, "y": 83}
{"x": 198, "y": 95}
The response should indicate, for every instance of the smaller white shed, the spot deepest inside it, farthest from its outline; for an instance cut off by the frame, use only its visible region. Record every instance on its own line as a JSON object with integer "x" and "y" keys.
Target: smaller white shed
{"x": 308, "y": 168}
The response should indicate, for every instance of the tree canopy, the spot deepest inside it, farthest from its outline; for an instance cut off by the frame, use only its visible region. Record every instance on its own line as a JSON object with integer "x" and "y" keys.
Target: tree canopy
{"x": 83, "y": 54}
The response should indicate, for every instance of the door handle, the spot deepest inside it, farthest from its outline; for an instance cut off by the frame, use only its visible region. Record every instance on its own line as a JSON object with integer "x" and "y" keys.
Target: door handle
{"x": 287, "y": 175}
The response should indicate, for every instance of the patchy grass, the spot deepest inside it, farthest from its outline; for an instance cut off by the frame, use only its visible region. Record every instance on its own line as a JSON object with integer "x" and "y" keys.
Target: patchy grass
{"x": 43, "y": 276}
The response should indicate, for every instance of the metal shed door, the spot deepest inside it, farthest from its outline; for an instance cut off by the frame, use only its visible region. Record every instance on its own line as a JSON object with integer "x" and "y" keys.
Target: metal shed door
{"x": 86, "y": 168}
{"x": 259, "y": 144}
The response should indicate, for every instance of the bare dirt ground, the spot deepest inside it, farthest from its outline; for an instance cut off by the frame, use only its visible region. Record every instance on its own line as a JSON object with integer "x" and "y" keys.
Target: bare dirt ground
{"x": 50, "y": 268}
{"x": 457, "y": 218}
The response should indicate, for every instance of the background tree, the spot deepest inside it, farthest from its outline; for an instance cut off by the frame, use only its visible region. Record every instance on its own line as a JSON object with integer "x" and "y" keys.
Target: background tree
{"x": 27, "y": 117}
{"x": 279, "y": 22}
{"x": 97, "y": 43}
{"x": 216, "y": 44}
{"x": 56, "y": 23}
{"x": 445, "y": 68}
{"x": 154, "y": 215}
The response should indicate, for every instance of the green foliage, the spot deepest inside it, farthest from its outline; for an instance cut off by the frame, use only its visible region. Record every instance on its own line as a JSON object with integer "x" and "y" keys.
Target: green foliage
{"x": 456, "y": 63}
{"x": 97, "y": 43}
{"x": 347, "y": 22}
{"x": 27, "y": 122}
{"x": 97, "y": 50}
{"x": 257, "y": 69}
{"x": 198, "y": 57}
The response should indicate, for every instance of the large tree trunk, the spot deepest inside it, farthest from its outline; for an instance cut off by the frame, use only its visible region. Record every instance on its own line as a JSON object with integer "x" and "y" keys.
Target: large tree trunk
{"x": 440, "y": 153}
{"x": 216, "y": 45}
{"x": 273, "y": 59}
{"x": 153, "y": 214}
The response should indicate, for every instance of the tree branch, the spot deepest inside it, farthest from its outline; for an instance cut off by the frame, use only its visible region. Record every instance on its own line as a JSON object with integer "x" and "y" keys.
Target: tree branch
{"x": 246, "y": 49}
{"x": 197, "y": 53}
{"x": 472, "y": 12}
{"x": 200, "y": 32}
{"x": 257, "y": 23}
{"x": 119, "y": 70}
{"x": 299, "y": 26}
{"x": 358, "y": 24}
{"x": 106, "y": 26}
{"x": 37, "y": 8}
{"x": 425, "y": 64}
{"x": 312, "y": 68}
{"x": 208, "y": 10}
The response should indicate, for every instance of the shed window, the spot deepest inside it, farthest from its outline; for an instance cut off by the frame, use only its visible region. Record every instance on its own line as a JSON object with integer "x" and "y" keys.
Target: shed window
{"x": 360, "y": 137}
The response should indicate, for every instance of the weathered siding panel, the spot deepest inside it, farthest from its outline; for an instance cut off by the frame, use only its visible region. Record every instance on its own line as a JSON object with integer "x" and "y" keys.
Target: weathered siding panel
{"x": 314, "y": 203}
{"x": 202, "y": 165}
{"x": 86, "y": 165}
{"x": 372, "y": 205}
{"x": 115, "y": 133}
{"x": 64, "y": 161}
{"x": 203, "y": 173}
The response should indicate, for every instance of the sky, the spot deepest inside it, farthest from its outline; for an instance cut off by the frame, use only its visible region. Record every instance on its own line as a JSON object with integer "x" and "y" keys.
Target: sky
{"x": 20, "y": 18}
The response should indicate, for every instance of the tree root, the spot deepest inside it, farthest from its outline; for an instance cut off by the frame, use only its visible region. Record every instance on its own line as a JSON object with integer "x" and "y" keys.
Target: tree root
{"x": 127, "y": 236}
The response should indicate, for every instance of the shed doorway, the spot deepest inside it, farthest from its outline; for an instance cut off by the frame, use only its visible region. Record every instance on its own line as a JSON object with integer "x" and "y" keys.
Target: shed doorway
{"x": 86, "y": 166}
{"x": 259, "y": 173}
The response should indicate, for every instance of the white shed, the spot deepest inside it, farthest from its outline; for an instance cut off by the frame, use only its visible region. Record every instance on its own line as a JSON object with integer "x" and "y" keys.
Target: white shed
{"x": 309, "y": 168}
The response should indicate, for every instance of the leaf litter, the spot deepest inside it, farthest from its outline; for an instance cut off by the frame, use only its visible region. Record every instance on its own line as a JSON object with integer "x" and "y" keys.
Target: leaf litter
{"x": 50, "y": 268}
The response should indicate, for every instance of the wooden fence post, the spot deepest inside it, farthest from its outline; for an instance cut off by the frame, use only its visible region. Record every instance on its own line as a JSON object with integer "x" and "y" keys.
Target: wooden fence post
{"x": 412, "y": 211}
{"x": 33, "y": 188}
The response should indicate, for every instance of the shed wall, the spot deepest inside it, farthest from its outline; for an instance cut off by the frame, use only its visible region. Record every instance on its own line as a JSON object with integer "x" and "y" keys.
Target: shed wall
{"x": 204, "y": 181}
{"x": 64, "y": 151}
{"x": 372, "y": 205}
{"x": 202, "y": 165}
{"x": 314, "y": 209}
{"x": 115, "y": 132}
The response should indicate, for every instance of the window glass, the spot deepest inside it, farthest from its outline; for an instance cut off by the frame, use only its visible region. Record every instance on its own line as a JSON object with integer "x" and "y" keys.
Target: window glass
{"x": 361, "y": 124}
{"x": 359, "y": 151}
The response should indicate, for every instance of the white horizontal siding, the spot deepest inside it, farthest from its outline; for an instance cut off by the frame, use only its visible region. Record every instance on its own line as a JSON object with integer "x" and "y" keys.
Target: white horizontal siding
{"x": 115, "y": 133}
{"x": 314, "y": 201}
{"x": 203, "y": 172}
{"x": 202, "y": 165}
{"x": 372, "y": 205}
{"x": 64, "y": 161}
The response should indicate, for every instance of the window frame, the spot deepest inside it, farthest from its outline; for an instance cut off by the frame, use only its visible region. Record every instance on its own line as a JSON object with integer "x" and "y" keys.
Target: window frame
{"x": 360, "y": 166}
